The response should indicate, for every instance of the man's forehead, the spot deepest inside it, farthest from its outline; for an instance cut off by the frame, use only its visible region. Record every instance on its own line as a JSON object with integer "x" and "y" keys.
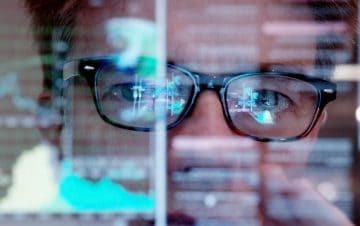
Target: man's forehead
{"x": 211, "y": 36}
{"x": 225, "y": 36}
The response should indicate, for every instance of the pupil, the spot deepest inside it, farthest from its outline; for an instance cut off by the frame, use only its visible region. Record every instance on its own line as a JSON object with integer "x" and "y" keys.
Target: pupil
{"x": 267, "y": 98}
{"x": 126, "y": 92}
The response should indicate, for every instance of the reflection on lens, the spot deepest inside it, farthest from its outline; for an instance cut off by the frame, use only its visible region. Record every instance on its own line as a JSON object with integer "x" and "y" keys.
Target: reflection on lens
{"x": 129, "y": 99}
{"x": 271, "y": 106}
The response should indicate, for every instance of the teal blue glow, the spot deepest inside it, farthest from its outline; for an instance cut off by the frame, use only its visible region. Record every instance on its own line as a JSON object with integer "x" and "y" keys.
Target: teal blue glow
{"x": 177, "y": 106}
{"x": 172, "y": 85}
{"x": 169, "y": 90}
{"x": 264, "y": 117}
{"x": 248, "y": 100}
{"x": 104, "y": 195}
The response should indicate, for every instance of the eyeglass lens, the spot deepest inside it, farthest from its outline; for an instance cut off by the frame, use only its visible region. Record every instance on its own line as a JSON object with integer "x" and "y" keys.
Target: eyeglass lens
{"x": 271, "y": 106}
{"x": 129, "y": 99}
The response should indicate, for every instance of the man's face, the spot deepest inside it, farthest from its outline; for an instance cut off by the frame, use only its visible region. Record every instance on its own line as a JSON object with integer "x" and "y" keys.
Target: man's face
{"x": 212, "y": 37}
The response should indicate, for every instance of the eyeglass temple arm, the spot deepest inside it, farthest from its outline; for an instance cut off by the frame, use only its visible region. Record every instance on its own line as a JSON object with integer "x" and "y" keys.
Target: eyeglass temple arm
{"x": 70, "y": 70}
{"x": 330, "y": 91}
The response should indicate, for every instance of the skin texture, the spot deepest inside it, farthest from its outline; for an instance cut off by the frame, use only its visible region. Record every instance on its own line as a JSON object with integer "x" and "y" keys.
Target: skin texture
{"x": 277, "y": 186}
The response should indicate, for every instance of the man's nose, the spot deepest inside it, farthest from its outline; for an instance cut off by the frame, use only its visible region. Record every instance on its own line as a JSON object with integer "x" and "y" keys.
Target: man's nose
{"x": 206, "y": 117}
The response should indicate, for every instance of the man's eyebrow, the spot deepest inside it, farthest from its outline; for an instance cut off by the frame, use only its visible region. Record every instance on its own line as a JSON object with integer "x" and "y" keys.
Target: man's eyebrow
{"x": 172, "y": 61}
{"x": 302, "y": 67}
{"x": 291, "y": 66}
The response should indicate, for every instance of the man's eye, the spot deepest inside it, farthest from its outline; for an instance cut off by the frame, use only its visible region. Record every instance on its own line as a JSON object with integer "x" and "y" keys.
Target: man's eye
{"x": 263, "y": 105}
{"x": 255, "y": 100}
{"x": 122, "y": 92}
{"x": 270, "y": 100}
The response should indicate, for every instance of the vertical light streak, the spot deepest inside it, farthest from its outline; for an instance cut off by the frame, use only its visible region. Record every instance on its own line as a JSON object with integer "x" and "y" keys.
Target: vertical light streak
{"x": 160, "y": 126}
{"x": 358, "y": 83}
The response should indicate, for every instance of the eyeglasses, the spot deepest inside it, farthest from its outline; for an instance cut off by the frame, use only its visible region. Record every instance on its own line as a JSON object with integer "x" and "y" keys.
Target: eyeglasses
{"x": 264, "y": 105}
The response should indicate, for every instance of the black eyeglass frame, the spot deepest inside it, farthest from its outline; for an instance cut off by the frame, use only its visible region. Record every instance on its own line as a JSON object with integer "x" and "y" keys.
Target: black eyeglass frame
{"x": 89, "y": 68}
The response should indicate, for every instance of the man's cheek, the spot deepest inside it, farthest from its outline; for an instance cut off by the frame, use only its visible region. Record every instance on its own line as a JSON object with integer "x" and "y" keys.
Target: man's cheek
{"x": 292, "y": 155}
{"x": 91, "y": 134}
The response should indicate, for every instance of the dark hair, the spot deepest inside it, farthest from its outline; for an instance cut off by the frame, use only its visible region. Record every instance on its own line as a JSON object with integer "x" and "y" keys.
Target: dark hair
{"x": 53, "y": 20}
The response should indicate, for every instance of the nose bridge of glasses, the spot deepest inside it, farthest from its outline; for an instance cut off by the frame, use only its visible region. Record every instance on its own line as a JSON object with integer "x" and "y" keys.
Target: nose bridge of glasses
{"x": 210, "y": 82}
